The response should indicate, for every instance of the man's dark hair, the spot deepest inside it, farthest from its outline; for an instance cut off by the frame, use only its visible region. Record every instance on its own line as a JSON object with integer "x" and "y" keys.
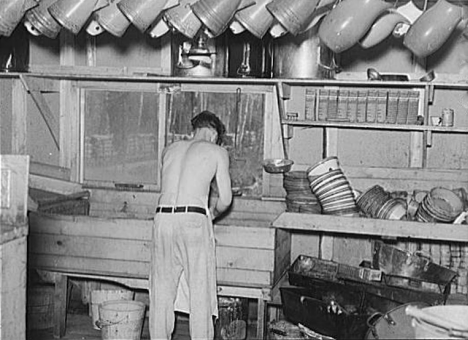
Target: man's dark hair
{"x": 209, "y": 119}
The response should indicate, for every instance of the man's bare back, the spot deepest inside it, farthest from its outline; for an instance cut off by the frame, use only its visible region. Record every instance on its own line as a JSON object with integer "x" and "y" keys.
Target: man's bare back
{"x": 188, "y": 169}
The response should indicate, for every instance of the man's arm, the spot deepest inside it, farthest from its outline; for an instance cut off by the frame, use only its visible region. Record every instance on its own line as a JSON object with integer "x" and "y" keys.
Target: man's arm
{"x": 223, "y": 182}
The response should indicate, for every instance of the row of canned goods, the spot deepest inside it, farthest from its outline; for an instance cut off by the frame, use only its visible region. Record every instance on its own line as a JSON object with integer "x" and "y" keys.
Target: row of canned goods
{"x": 383, "y": 106}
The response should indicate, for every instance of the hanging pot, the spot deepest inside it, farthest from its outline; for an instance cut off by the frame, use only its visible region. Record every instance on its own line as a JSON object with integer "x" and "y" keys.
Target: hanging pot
{"x": 217, "y": 14}
{"x": 303, "y": 56}
{"x": 256, "y": 19}
{"x": 432, "y": 28}
{"x": 382, "y": 28}
{"x": 183, "y": 19}
{"x": 11, "y": 12}
{"x": 39, "y": 21}
{"x": 292, "y": 14}
{"x": 111, "y": 19}
{"x": 349, "y": 21}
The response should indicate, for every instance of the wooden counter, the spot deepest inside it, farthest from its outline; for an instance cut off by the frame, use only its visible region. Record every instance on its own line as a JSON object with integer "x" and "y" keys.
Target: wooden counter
{"x": 251, "y": 255}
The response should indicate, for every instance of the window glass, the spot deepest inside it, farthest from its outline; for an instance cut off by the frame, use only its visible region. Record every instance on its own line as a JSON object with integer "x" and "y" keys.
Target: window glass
{"x": 120, "y": 137}
{"x": 242, "y": 114}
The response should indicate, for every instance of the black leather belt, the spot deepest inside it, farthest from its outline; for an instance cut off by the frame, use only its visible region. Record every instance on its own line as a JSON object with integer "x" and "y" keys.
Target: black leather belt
{"x": 181, "y": 209}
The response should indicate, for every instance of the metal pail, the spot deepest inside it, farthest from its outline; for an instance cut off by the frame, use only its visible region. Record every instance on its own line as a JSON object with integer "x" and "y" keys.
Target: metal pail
{"x": 303, "y": 56}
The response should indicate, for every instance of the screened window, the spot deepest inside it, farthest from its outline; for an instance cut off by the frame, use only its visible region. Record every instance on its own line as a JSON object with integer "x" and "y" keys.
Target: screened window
{"x": 120, "y": 137}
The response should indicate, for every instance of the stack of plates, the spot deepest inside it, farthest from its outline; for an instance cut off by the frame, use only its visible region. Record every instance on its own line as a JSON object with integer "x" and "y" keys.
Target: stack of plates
{"x": 299, "y": 197}
{"x": 372, "y": 201}
{"x": 440, "y": 205}
{"x": 334, "y": 193}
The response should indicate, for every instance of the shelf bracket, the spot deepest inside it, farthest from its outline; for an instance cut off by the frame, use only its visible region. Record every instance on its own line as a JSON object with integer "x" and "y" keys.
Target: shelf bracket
{"x": 430, "y": 93}
{"x": 285, "y": 91}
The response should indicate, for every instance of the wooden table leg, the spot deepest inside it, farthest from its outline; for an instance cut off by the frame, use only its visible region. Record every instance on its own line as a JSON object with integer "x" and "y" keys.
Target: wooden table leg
{"x": 261, "y": 319}
{"x": 60, "y": 305}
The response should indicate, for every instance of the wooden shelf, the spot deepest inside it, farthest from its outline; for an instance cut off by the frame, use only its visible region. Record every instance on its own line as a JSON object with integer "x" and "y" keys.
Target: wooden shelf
{"x": 372, "y": 227}
{"x": 97, "y": 74}
{"x": 373, "y": 126}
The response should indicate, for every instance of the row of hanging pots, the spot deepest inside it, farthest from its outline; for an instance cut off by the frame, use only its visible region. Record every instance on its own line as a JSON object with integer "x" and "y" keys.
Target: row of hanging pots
{"x": 341, "y": 23}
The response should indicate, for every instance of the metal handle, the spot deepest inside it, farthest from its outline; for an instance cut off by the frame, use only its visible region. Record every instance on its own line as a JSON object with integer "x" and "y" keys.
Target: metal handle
{"x": 101, "y": 324}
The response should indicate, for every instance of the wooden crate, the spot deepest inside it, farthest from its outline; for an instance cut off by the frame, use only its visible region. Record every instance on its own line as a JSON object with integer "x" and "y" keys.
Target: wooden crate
{"x": 13, "y": 189}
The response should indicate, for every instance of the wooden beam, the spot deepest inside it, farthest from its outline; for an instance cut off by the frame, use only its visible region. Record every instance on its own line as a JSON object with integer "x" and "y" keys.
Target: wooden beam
{"x": 44, "y": 109}
{"x": 19, "y": 117}
{"x": 372, "y": 227}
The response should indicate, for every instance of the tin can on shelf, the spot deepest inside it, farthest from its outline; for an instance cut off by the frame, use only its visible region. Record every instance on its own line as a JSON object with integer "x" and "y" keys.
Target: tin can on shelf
{"x": 447, "y": 117}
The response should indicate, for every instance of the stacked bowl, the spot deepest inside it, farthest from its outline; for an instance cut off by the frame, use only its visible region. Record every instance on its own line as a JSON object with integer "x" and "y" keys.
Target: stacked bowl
{"x": 332, "y": 189}
{"x": 299, "y": 197}
{"x": 372, "y": 200}
{"x": 440, "y": 205}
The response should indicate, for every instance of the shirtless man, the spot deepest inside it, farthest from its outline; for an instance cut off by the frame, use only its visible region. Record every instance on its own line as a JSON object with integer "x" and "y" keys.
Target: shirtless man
{"x": 183, "y": 268}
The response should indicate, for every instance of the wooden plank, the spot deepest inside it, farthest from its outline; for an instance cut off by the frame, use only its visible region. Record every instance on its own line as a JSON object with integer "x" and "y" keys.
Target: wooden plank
{"x": 97, "y": 248}
{"x": 245, "y": 237}
{"x": 372, "y": 227}
{"x": 118, "y": 196}
{"x": 48, "y": 170}
{"x": 282, "y": 253}
{"x": 407, "y": 179}
{"x": 247, "y": 278}
{"x": 49, "y": 117}
{"x": 130, "y": 269}
{"x": 69, "y": 127}
{"x": 19, "y": 120}
{"x": 54, "y": 185}
{"x": 60, "y": 305}
{"x": 245, "y": 258}
{"x": 327, "y": 242}
{"x": 225, "y": 88}
{"x": 13, "y": 289}
{"x": 127, "y": 229}
{"x": 14, "y": 171}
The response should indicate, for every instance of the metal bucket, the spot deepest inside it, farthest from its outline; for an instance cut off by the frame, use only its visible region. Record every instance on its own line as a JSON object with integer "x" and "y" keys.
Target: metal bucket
{"x": 303, "y": 56}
